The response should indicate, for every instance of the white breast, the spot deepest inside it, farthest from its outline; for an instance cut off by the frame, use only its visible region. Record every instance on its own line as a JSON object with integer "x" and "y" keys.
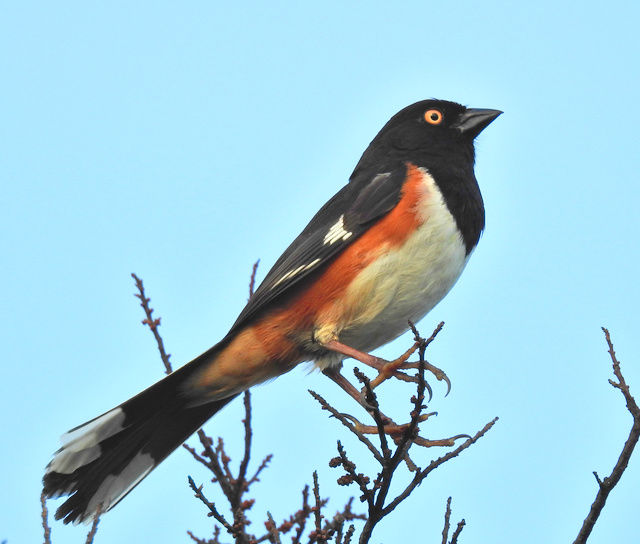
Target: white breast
{"x": 406, "y": 282}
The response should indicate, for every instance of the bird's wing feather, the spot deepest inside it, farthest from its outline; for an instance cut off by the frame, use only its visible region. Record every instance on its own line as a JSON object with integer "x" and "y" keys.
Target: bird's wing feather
{"x": 339, "y": 223}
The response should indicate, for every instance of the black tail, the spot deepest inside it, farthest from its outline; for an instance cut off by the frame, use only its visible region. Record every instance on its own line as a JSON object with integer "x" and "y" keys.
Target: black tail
{"x": 104, "y": 459}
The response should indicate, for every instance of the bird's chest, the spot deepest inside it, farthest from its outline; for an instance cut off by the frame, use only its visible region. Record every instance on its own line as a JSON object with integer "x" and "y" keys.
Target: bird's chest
{"x": 407, "y": 280}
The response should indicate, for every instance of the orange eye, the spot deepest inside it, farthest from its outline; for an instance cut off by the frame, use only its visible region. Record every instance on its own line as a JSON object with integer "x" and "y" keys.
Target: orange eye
{"x": 433, "y": 117}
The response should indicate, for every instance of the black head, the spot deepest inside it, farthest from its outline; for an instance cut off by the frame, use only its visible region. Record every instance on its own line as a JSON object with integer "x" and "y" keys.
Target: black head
{"x": 428, "y": 131}
{"x": 432, "y": 125}
{"x": 436, "y": 135}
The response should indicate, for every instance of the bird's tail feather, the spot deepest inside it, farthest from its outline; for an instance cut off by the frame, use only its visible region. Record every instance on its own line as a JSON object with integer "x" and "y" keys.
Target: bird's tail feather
{"x": 104, "y": 459}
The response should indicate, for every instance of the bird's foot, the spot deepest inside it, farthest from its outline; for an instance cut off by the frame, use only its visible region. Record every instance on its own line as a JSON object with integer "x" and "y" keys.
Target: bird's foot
{"x": 388, "y": 369}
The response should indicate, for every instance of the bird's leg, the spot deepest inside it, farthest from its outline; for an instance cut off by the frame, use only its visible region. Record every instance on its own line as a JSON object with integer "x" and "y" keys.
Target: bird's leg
{"x": 385, "y": 368}
{"x": 363, "y": 357}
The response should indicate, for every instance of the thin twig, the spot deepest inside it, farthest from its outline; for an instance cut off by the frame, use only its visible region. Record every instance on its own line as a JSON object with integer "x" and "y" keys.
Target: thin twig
{"x": 263, "y": 465}
{"x": 94, "y": 525}
{"x": 352, "y": 476}
{"x": 273, "y": 530}
{"x": 336, "y": 525}
{"x": 316, "y": 495}
{"x": 252, "y": 280}
{"x": 318, "y": 535}
{"x": 403, "y": 444}
{"x": 346, "y": 420}
{"x": 456, "y": 533}
{"x": 447, "y": 518}
{"x": 45, "y": 519}
{"x": 372, "y": 400}
{"x": 242, "y": 472}
{"x": 152, "y": 323}
{"x": 214, "y": 540}
{"x": 211, "y": 461}
{"x": 447, "y": 526}
{"x": 213, "y": 511}
{"x": 349, "y": 534}
{"x": 431, "y": 338}
{"x": 417, "y": 480}
{"x": 301, "y": 519}
{"x": 606, "y": 485}
{"x": 216, "y": 459}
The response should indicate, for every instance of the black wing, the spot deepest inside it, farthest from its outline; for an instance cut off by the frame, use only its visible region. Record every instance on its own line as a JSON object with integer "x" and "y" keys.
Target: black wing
{"x": 338, "y": 223}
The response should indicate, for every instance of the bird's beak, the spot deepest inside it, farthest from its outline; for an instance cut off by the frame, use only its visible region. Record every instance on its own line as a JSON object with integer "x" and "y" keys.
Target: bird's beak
{"x": 474, "y": 120}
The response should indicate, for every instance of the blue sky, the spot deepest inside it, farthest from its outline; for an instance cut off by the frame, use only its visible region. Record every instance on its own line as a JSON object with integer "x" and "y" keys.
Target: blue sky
{"x": 184, "y": 142}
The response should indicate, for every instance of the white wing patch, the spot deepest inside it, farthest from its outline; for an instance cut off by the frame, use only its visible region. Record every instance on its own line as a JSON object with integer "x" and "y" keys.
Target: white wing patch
{"x": 296, "y": 271}
{"x": 337, "y": 232}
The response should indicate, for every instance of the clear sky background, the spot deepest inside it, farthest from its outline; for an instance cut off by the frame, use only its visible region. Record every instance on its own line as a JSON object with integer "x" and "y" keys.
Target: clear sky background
{"x": 184, "y": 141}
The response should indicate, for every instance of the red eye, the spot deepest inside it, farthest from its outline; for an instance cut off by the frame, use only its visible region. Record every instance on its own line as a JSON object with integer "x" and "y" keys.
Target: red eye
{"x": 433, "y": 117}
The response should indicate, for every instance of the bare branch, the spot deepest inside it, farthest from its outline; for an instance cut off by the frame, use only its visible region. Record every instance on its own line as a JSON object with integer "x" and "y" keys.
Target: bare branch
{"x": 152, "y": 323}
{"x": 252, "y": 280}
{"x": 273, "y": 531}
{"x": 389, "y": 434}
{"x": 435, "y": 464}
{"x": 45, "y": 519}
{"x": 447, "y": 526}
{"x": 372, "y": 400}
{"x": 263, "y": 465}
{"x": 318, "y": 535}
{"x": 213, "y": 511}
{"x": 352, "y": 476}
{"x": 447, "y": 518}
{"x": 606, "y": 485}
{"x": 94, "y": 525}
{"x": 240, "y": 483}
{"x": 336, "y": 525}
{"x": 403, "y": 436}
{"x": 349, "y": 535}
{"x": 214, "y": 540}
{"x": 347, "y": 421}
{"x": 456, "y": 533}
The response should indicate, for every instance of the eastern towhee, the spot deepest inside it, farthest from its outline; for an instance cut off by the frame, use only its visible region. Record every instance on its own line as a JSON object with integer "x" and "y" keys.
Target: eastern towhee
{"x": 384, "y": 250}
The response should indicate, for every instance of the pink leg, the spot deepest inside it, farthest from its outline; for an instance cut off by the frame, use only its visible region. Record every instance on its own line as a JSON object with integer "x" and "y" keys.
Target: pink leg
{"x": 366, "y": 358}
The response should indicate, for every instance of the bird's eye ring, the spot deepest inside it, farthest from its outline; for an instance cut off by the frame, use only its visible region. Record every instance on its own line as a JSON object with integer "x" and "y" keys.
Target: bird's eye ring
{"x": 433, "y": 117}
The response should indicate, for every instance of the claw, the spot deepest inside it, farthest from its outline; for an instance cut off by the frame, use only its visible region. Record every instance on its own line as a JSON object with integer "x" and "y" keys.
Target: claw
{"x": 439, "y": 374}
{"x": 429, "y": 390}
{"x": 363, "y": 401}
{"x": 356, "y": 422}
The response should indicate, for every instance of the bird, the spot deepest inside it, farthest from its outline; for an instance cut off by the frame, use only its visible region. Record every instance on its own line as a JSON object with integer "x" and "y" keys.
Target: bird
{"x": 383, "y": 251}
